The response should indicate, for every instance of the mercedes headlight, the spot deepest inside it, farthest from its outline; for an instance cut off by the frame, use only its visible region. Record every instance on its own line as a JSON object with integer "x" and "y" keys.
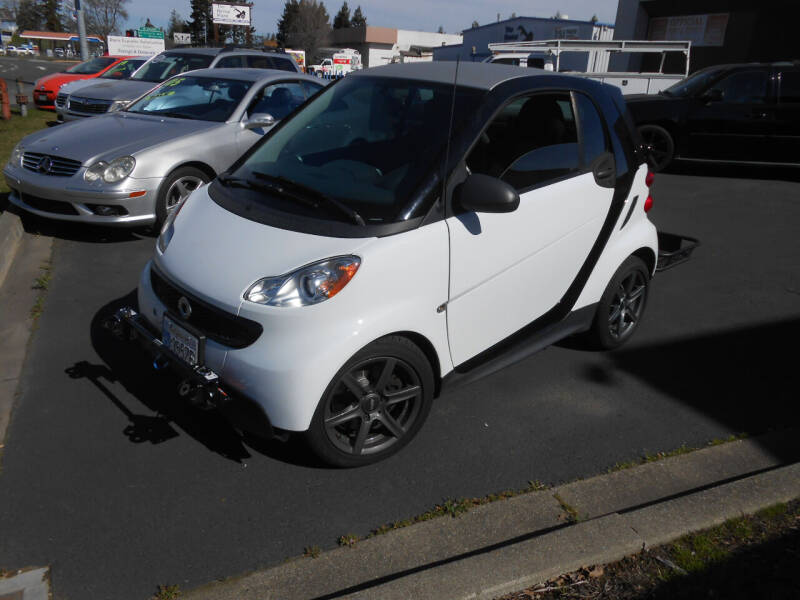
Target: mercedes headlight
{"x": 117, "y": 170}
{"x": 118, "y": 105}
{"x": 16, "y": 156}
{"x": 307, "y": 285}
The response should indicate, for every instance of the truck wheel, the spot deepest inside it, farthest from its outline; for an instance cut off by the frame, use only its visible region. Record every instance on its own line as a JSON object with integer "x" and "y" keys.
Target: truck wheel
{"x": 374, "y": 405}
{"x": 622, "y": 305}
{"x": 177, "y": 186}
{"x": 660, "y": 146}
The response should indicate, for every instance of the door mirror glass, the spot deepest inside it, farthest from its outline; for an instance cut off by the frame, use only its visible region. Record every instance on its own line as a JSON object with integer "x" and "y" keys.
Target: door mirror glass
{"x": 604, "y": 168}
{"x": 713, "y": 95}
{"x": 483, "y": 193}
{"x": 259, "y": 121}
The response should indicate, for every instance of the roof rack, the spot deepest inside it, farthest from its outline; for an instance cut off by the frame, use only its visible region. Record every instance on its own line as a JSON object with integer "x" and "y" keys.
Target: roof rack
{"x": 232, "y": 47}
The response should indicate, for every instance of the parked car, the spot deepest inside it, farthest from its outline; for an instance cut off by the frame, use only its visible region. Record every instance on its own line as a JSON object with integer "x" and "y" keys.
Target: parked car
{"x": 59, "y": 52}
{"x": 46, "y": 89}
{"x": 332, "y": 281}
{"x": 112, "y": 95}
{"x": 122, "y": 70}
{"x": 745, "y": 113}
{"x": 132, "y": 167}
{"x": 11, "y": 50}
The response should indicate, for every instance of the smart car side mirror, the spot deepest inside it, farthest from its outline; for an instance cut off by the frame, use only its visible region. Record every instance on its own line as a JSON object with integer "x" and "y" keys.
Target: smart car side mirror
{"x": 259, "y": 120}
{"x": 713, "y": 95}
{"x": 482, "y": 193}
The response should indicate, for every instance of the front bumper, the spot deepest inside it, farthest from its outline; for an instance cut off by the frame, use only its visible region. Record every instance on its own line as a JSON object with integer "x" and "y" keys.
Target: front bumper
{"x": 199, "y": 385}
{"x": 69, "y": 199}
{"x": 44, "y": 99}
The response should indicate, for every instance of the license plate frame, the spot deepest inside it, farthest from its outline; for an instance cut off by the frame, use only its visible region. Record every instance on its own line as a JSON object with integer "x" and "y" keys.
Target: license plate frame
{"x": 173, "y": 328}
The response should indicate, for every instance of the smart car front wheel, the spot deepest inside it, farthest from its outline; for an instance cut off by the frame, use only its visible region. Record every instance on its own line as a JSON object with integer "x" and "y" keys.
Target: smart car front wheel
{"x": 374, "y": 405}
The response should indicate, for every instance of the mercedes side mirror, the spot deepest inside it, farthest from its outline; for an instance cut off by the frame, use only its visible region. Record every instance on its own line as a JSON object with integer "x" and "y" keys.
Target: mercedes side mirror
{"x": 713, "y": 95}
{"x": 259, "y": 121}
{"x": 482, "y": 193}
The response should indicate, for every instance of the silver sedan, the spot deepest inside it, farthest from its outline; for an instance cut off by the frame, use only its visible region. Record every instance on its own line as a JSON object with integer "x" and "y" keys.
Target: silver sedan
{"x": 132, "y": 167}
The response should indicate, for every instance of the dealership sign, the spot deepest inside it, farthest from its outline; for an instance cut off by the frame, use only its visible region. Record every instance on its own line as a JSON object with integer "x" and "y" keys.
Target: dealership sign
{"x": 701, "y": 30}
{"x": 182, "y": 38}
{"x": 134, "y": 46}
{"x": 230, "y": 14}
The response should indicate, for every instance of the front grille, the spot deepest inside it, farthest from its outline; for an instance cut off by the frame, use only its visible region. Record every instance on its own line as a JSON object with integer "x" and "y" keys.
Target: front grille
{"x": 218, "y": 325}
{"x": 56, "y": 165}
{"x": 89, "y": 105}
{"x": 51, "y": 206}
{"x": 61, "y": 100}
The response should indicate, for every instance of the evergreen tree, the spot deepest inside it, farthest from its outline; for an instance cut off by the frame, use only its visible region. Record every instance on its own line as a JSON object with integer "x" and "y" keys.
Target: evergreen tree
{"x": 200, "y": 24}
{"x": 440, "y": 30}
{"x": 358, "y": 19}
{"x": 342, "y": 18}
{"x": 50, "y": 11}
{"x": 290, "y": 10}
{"x": 475, "y": 24}
{"x": 594, "y": 19}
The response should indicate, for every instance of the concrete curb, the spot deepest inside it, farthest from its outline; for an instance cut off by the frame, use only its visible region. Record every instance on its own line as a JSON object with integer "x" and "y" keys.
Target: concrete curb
{"x": 10, "y": 237}
{"x": 508, "y": 545}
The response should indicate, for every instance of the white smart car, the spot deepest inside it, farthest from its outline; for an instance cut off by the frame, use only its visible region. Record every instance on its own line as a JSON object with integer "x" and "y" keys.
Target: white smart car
{"x": 411, "y": 226}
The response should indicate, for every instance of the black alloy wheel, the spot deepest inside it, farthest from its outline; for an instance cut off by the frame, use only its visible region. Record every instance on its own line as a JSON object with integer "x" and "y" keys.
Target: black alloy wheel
{"x": 659, "y": 145}
{"x": 374, "y": 405}
{"x": 621, "y": 308}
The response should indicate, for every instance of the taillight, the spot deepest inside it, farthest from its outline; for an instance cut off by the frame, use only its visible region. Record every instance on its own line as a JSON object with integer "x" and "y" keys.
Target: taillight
{"x": 648, "y": 181}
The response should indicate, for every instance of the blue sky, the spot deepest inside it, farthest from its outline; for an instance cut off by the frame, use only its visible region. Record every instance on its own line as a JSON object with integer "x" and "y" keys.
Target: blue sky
{"x": 422, "y": 15}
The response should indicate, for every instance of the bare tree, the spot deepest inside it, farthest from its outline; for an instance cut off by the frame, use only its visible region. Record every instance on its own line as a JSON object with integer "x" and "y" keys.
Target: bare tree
{"x": 104, "y": 17}
{"x": 9, "y": 10}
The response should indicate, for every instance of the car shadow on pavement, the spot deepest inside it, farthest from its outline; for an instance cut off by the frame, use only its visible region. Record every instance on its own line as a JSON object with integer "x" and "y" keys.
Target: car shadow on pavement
{"x": 746, "y": 379}
{"x": 129, "y": 365}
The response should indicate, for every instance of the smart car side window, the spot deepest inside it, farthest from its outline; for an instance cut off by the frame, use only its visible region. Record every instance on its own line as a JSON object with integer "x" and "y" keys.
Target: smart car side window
{"x": 531, "y": 141}
{"x": 592, "y": 133}
{"x": 744, "y": 87}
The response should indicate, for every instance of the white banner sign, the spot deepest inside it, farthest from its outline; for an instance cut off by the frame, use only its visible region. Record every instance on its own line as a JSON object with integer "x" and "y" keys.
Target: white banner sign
{"x": 701, "y": 30}
{"x": 230, "y": 14}
{"x": 134, "y": 46}
{"x": 182, "y": 38}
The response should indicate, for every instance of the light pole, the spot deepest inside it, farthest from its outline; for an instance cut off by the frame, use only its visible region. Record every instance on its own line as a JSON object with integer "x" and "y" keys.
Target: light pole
{"x": 82, "y": 31}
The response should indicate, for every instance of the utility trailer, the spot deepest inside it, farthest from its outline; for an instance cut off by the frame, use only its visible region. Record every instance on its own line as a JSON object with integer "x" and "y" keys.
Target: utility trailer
{"x": 547, "y": 54}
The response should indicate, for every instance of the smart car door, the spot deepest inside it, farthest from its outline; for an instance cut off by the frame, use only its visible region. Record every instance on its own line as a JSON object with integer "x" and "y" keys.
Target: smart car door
{"x": 509, "y": 269}
{"x": 731, "y": 120}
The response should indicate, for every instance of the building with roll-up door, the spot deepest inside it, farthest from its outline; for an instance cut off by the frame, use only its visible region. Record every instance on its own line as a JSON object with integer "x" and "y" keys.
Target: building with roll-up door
{"x": 721, "y": 31}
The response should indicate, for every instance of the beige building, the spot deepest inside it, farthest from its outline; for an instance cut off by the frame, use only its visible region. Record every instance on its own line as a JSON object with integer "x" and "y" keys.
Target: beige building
{"x": 383, "y": 45}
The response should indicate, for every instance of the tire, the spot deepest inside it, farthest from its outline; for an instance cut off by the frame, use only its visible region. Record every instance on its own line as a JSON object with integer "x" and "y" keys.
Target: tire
{"x": 178, "y": 184}
{"x": 374, "y": 405}
{"x": 660, "y": 146}
{"x": 621, "y": 306}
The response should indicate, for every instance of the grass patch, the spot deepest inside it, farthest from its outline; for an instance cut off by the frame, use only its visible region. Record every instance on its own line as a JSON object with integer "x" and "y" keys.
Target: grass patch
{"x": 570, "y": 513}
{"x": 311, "y": 551}
{"x": 167, "y": 592}
{"x": 348, "y": 540}
{"x": 682, "y": 449}
{"x": 13, "y": 130}
{"x": 41, "y": 283}
{"x": 746, "y": 557}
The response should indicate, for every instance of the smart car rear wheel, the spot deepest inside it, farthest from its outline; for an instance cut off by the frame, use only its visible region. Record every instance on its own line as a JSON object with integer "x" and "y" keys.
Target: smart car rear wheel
{"x": 374, "y": 405}
{"x": 176, "y": 187}
{"x": 659, "y": 144}
{"x": 622, "y": 305}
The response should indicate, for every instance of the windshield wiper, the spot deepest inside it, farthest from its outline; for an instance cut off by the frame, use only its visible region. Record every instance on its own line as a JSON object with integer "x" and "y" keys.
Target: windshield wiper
{"x": 281, "y": 182}
{"x": 175, "y": 115}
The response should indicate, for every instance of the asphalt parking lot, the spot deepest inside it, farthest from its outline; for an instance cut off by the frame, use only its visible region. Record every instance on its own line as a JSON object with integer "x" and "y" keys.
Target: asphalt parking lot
{"x": 119, "y": 488}
{"x": 28, "y": 70}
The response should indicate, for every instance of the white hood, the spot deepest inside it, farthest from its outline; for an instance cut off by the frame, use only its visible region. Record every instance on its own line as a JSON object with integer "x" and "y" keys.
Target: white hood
{"x": 218, "y": 255}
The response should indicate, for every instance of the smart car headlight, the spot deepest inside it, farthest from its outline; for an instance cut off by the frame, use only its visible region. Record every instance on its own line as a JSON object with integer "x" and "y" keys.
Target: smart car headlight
{"x": 307, "y": 285}
{"x": 117, "y": 170}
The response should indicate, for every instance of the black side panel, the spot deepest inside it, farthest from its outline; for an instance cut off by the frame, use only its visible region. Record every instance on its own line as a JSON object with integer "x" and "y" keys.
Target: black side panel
{"x": 524, "y": 343}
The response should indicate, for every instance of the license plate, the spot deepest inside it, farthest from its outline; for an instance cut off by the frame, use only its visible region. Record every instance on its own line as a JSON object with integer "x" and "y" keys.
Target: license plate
{"x": 41, "y": 96}
{"x": 180, "y": 341}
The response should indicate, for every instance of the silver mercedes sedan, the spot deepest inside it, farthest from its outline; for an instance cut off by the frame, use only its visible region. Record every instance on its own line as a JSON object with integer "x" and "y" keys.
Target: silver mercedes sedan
{"x": 131, "y": 167}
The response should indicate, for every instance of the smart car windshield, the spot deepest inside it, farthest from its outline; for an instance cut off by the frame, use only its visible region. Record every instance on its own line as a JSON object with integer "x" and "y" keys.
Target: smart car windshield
{"x": 167, "y": 64}
{"x": 91, "y": 66}
{"x": 124, "y": 69}
{"x": 694, "y": 83}
{"x": 200, "y": 98}
{"x": 363, "y": 151}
